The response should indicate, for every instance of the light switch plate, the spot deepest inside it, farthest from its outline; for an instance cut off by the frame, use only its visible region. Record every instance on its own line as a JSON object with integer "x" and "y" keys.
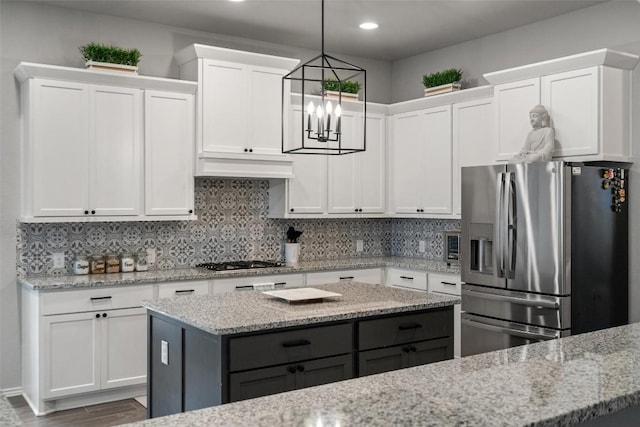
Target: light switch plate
{"x": 359, "y": 246}
{"x": 422, "y": 246}
{"x": 164, "y": 352}
{"x": 58, "y": 260}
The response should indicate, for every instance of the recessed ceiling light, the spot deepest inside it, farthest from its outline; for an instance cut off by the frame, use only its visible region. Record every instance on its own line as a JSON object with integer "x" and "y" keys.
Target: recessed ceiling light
{"x": 368, "y": 25}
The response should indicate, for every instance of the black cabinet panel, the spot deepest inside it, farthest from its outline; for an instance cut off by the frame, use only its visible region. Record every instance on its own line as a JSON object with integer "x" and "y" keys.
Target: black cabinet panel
{"x": 381, "y": 360}
{"x": 275, "y": 348}
{"x": 431, "y": 351}
{"x": 323, "y": 371}
{"x": 260, "y": 382}
{"x": 165, "y": 385}
{"x": 202, "y": 370}
{"x": 405, "y": 328}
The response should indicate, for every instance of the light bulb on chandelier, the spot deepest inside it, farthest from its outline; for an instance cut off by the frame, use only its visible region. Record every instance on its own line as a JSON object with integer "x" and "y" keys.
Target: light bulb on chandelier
{"x": 323, "y": 117}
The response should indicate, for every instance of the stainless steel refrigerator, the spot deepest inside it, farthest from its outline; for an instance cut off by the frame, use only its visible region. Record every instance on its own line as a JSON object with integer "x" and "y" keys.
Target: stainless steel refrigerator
{"x": 544, "y": 252}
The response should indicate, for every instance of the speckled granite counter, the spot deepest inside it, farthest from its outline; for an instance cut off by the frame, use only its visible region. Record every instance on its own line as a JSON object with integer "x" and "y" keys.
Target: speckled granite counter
{"x": 252, "y": 311}
{"x": 559, "y": 382}
{"x": 119, "y": 279}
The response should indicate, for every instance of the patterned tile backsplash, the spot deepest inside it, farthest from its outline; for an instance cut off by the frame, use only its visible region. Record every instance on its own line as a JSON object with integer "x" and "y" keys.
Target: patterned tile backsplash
{"x": 232, "y": 225}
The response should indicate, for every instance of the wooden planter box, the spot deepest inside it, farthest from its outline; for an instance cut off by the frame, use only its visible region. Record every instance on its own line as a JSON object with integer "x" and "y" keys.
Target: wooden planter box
{"x": 437, "y": 90}
{"x": 345, "y": 95}
{"x": 107, "y": 66}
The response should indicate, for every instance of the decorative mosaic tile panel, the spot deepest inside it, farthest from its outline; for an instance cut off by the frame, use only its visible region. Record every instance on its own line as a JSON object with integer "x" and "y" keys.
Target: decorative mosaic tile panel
{"x": 232, "y": 225}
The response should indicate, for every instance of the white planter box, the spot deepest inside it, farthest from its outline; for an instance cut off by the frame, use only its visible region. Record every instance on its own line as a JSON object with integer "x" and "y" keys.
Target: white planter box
{"x": 437, "y": 90}
{"x": 107, "y": 66}
{"x": 345, "y": 95}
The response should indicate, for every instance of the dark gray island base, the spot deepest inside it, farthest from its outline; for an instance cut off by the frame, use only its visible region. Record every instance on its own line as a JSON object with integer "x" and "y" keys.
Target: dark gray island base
{"x": 205, "y": 351}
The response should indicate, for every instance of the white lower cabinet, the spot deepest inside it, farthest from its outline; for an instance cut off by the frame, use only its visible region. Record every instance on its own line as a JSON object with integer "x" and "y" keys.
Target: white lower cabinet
{"x": 222, "y": 286}
{"x": 83, "y": 341}
{"x": 402, "y": 278}
{"x": 370, "y": 275}
{"x": 449, "y": 284}
{"x": 183, "y": 288}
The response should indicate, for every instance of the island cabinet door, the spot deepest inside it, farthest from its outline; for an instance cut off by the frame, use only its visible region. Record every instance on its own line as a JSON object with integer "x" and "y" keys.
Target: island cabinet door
{"x": 323, "y": 371}
{"x": 261, "y": 382}
{"x": 382, "y": 360}
{"x": 424, "y": 352}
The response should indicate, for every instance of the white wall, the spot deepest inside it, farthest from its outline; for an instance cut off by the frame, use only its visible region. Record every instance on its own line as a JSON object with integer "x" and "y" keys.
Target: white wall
{"x": 51, "y": 35}
{"x": 615, "y": 24}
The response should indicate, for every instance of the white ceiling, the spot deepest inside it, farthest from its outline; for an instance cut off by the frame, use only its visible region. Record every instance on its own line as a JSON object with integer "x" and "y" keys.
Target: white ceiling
{"x": 407, "y": 27}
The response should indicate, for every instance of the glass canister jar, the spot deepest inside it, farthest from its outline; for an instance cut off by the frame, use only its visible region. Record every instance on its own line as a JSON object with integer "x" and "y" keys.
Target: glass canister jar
{"x": 96, "y": 264}
{"x": 112, "y": 263}
{"x": 80, "y": 264}
{"x": 141, "y": 261}
{"x": 127, "y": 262}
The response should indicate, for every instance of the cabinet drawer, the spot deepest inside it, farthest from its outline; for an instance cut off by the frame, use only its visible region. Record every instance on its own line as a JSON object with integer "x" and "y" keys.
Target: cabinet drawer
{"x": 445, "y": 283}
{"x": 221, "y": 286}
{"x": 405, "y": 329}
{"x": 371, "y": 275}
{"x": 411, "y": 279}
{"x": 95, "y": 299}
{"x": 275, "y": 348}
{"x": 175, "y": 289}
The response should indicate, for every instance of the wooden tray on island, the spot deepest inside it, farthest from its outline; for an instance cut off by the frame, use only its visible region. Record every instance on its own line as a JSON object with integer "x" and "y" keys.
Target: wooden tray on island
{"x": 302, "y": 295}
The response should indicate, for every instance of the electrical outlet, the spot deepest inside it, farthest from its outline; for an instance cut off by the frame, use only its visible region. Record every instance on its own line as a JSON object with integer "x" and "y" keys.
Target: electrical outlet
{"x": 359, "y": 246}
{"x": 164, "y": 352}
{"x": 58, "y": 260}
{"x": 151, "y": 255}
{"x": 422, "y": 246}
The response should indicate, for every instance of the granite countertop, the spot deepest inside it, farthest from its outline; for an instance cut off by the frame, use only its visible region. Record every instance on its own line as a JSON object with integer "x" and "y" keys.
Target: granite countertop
{"x": 156, "y": 276}
{"x": 558, "y": 382}
{"x": 253, "y": 311}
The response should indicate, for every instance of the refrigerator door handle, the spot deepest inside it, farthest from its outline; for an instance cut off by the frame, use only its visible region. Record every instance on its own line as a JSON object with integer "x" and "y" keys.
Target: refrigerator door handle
{"x": 510, "y": 224}
{"x": 498, "y": 226}
{"x": 509, "y": 331}
{"x": 537, "y": 303}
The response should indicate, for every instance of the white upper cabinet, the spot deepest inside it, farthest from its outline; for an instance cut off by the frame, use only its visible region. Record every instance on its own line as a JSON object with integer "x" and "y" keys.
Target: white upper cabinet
{"x": 238, "y": 111}
{"x": 587, "y": 95}
{"x": 356, "y": 181}
{"x": 169, "y": 153}
{"x": 421, "y": 157}
{"x": 84, "y": 144}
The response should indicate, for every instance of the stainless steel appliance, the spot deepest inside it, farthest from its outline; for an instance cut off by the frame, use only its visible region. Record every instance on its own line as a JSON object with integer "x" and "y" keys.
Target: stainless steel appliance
{"x": 452, "y": 247}
{"x": 238, "y": 265}
{"x": 544, "y": 252}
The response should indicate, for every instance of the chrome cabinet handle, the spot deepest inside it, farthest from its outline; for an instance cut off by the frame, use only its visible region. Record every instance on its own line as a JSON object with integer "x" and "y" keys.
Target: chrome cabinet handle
{"x": 509, "y": 331}
{"x": 515, "y": 300}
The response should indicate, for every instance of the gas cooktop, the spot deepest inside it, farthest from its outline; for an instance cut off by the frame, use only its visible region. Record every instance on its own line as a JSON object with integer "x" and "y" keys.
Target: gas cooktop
{"x": 238, "y": 265}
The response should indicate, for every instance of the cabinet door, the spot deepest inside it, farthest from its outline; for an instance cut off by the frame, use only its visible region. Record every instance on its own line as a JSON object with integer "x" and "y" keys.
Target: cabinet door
{"x": 435, "y": 160}
{"x": 124, "y": 347}
{"x": 406, "y": 163}
{"x": 372, "y": 170}
{"x": 71, "y": 354}
{"x": 382, "y": 360}
{"x": 58, "y": 155}
{"x": 265, "y": 109}
{"x": 425, "y": 352}
{"x": 169, "y": 153}
{"x": 513, "y": 103}
{"x": 473, "y": 138}
{"x": 324, "y": 371}
{"x": 116, "y": 155}
{"x": 261, "y": 382}
{"x": 572, "y": 99}
{"x": 224, "y": 114}
{"x": 344, "y": 170}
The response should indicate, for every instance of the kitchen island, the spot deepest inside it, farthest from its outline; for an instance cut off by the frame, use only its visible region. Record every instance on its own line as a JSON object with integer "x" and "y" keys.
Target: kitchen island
{"x": 589, "y": 378}
{"x": 208, "y": 350}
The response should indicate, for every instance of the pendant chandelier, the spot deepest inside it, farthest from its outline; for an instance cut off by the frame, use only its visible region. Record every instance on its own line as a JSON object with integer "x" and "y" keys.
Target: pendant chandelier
{"x": 320, "y": 124}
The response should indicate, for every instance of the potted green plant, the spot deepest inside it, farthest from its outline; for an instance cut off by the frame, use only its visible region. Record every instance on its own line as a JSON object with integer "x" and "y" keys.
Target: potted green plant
{"x": 349, "y": 89}
{"x": 111, "y": 58}
{"x": 442, "y": 81}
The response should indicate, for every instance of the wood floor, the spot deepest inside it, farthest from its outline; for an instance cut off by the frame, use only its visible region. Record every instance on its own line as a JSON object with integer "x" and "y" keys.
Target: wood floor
{"x": 106, "y": 414}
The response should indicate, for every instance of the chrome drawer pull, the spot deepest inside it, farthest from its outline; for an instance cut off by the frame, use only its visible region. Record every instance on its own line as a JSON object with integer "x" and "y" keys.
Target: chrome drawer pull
{"x": 94, "y": 299}
{"x": 185, "y": 291}
{"x": 407, "y": 326}
{"x": 406, "y": 277}
{"x": 295, "y": 343}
